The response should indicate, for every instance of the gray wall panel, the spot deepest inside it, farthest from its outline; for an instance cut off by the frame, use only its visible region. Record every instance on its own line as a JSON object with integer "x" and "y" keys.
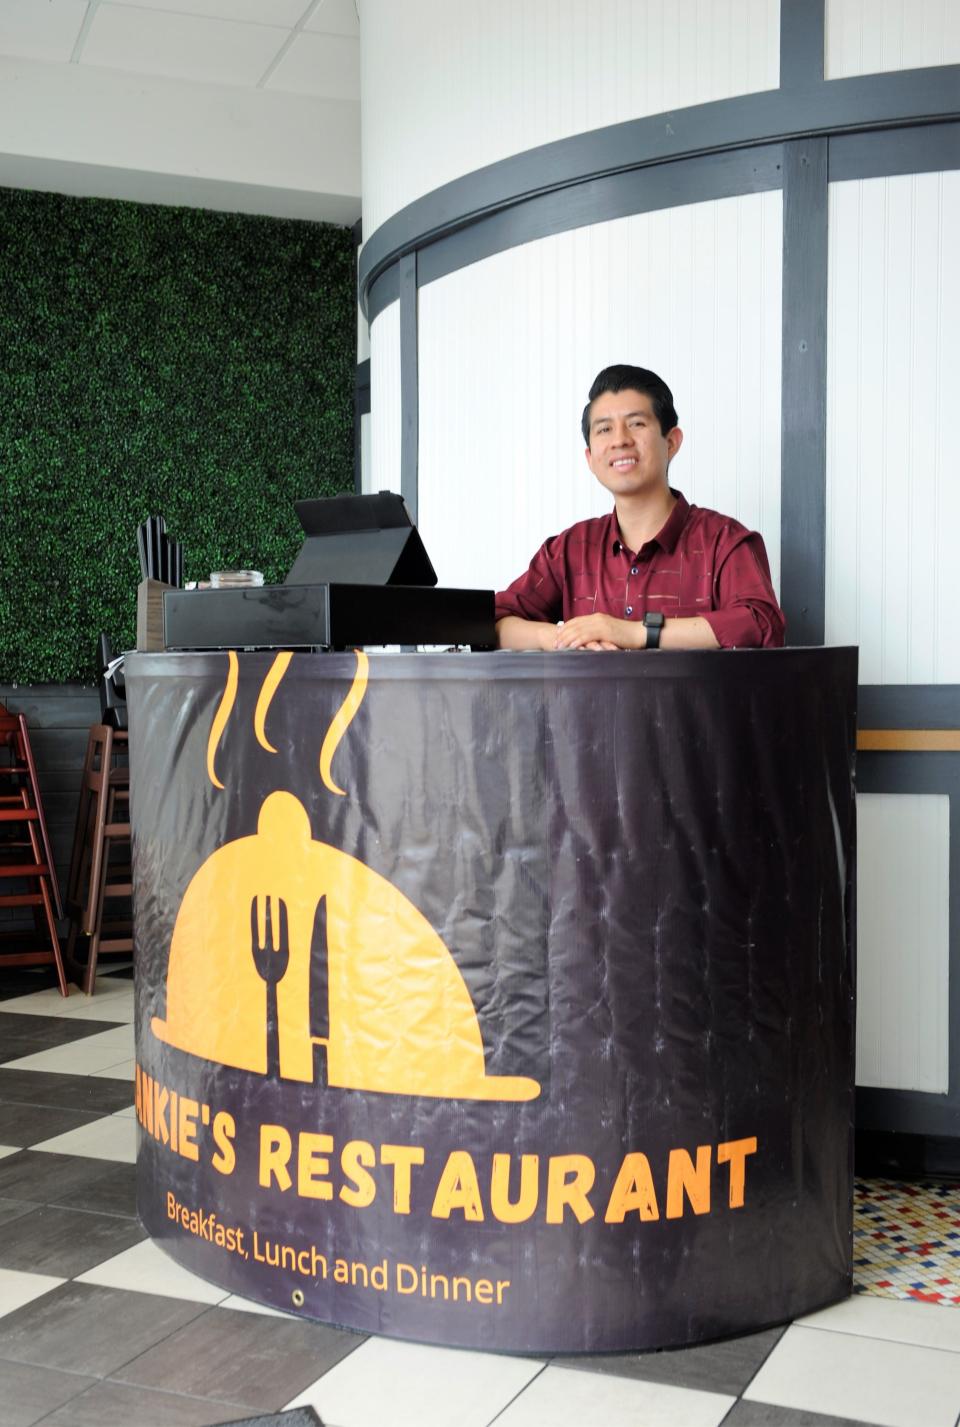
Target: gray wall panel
{"x": 803, "y": 438}
{"x": 864, "y": 102}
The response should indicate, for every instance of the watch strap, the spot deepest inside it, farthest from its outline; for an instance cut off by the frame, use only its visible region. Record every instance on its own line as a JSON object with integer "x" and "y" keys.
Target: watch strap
{"x": 653, "y": 624}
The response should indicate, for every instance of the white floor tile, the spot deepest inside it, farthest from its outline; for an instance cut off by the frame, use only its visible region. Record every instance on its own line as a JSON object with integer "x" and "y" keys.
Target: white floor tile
{"x": 81, "y": 1057}
{"x": 104, "y": 1008}
{"x": 892, "y": 1384}
{"x": 928, "y": 1325}
{"x": 247, "y": 1305}
{"x": 147, "y": 1269}
{"x": 124, "y": 1070}
{"x": 114, "y": 1137}
{"x": 51, "y": 1003}
{"x": 561, "y": 1397}
{"x": 42, "y": 1003}
{"x": 16, "y": 1288}
{"x": 412, "y": 1386}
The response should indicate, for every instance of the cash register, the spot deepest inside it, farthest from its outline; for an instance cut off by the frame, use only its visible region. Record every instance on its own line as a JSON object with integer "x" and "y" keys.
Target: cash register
{"x": 362, "y": 577}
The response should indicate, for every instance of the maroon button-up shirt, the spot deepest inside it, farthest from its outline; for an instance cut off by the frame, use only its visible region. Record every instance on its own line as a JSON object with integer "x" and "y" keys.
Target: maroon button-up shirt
{"x": 699, "y": 563}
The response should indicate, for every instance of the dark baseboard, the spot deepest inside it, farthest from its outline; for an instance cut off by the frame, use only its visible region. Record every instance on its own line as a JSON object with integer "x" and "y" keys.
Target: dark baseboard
{"x": 889, "y": 1155}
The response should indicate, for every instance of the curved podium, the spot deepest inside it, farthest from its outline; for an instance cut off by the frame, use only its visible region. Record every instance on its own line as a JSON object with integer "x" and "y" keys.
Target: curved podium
{"x": 499, "y": 1000}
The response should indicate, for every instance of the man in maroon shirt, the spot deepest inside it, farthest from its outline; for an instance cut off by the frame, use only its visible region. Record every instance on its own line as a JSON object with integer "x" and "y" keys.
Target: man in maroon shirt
{"x": 654, "y": 573}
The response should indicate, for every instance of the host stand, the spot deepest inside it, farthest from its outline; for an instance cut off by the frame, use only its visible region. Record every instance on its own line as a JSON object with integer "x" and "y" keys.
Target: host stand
{"x": 501, "y": 1000}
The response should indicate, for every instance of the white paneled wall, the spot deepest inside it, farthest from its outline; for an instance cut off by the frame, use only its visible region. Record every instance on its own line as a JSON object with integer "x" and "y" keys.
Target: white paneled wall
{"x": 903, "y": 947}
{"x": 893, "y": 468}
{"x": 381, "y": 449}
{"x": 451, "y": 85}
{"x": 366, "y": 455}
{"x": 869, "y": 36}
{"x": 510, "y": 345}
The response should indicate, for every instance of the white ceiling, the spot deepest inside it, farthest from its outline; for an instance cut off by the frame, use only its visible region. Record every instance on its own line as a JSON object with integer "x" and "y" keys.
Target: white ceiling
{"x": 297, "y": 46}
{"x": 241, "y": 105}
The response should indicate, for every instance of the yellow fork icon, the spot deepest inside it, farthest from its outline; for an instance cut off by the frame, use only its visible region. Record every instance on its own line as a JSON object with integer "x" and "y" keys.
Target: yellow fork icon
{"x": 271, "y": 958}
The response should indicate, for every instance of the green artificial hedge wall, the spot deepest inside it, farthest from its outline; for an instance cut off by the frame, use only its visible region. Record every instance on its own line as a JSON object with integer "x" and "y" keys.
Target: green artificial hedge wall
{"x": 153, "y": 361}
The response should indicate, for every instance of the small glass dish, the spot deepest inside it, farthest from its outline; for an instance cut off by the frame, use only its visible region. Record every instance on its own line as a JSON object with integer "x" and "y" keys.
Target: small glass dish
{"x": 233, "y": 579}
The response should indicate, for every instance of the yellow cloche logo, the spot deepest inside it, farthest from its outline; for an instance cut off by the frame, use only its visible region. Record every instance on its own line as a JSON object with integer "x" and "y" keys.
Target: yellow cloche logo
{"x": 262, "y": 910}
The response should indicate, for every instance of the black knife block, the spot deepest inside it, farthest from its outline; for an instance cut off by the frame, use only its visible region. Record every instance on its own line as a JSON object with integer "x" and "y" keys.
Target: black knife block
{"x": 150, "y": 614}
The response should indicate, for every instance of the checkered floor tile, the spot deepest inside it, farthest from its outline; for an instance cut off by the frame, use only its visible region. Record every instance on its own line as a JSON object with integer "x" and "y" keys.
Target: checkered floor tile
{"x": 98, "y": 1328}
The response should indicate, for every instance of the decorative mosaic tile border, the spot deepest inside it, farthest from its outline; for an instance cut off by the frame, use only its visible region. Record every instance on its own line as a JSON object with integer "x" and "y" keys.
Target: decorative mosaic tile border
{"x": 906, "y": 1240}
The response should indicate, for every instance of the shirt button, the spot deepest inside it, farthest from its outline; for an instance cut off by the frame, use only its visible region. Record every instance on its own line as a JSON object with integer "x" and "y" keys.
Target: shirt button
{"x": 629, "y": 609}
{"x": 635, "y": 570}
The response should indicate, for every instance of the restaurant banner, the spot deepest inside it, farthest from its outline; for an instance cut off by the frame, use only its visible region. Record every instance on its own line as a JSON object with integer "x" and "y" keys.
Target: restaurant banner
{"x": 499, "y": 1000}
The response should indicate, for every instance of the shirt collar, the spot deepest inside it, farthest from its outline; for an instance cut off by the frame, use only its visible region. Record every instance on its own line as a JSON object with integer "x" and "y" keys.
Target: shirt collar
{"x": 668, "y": 534}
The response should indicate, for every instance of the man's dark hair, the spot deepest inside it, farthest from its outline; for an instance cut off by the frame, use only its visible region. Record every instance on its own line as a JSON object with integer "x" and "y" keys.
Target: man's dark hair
{"x": 626, "y": 378}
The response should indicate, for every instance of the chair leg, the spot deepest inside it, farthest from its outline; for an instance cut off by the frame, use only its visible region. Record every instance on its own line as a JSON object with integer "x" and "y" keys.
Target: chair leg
{"x": 26, "y": 753}
{"x": 100, "y": 782}
{"x": 45, "y": 884}
{"x": 116, "y": 839}
{"x": 54, "y": 937}
{"x": 77, "y": 855}
{"x": 93, "y": 945}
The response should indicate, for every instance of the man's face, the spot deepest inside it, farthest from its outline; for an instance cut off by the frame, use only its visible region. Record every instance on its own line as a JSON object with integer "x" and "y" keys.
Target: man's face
{"x": 628, "y": 453}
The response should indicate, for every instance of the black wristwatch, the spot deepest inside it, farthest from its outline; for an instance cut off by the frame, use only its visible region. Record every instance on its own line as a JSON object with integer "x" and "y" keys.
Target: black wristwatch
{"x": 653, "y": 623}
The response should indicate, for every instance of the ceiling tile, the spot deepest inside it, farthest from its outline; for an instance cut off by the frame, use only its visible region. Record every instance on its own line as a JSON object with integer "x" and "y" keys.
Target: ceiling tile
{"x": 253, "y": 12}
{"x": 327, "y": 65}
{"x": 183, "y": 46}
{"x": 335, "y": 17}
{"x": 40, "y": 31}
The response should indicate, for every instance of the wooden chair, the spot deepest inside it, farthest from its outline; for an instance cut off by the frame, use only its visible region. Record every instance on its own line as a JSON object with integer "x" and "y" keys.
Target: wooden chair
{"x": 100, "y": 863}
{"x": 26, "y": 858}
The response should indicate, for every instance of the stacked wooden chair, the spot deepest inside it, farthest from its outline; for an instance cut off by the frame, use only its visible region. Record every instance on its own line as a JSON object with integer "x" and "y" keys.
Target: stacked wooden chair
{"x": 28, "y": 877}
{"x": 99, "y": 884}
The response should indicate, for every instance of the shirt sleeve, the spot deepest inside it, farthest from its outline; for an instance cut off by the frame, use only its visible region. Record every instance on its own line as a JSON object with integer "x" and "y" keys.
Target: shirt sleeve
{"x": 747, "y": 615}
{"x": 538, "y": 592}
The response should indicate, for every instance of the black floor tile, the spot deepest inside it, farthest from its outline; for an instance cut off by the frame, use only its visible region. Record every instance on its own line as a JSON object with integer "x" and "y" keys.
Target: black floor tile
{"x": 248, "y": 1358}
{"x": 113, "y": 1190}
{"x": 27, "y": 1125}
{"x": 40, "y": 1178}
{"x": 25, "y": 1035}
{"x": 110, "y": 1404}
{"x": 34, "y": 1087}
{"x": 70, "y": 1092}
{"x": 27, "y": 1394}
{"x": 64, "y": 1242}
{"x": 82, "y": 1328}
{"x": 719, "y": 1367}
{"x": 761, "y": 1414}
{"x": 12, "y": 1209}
{"x": 22, "y": 981}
